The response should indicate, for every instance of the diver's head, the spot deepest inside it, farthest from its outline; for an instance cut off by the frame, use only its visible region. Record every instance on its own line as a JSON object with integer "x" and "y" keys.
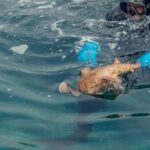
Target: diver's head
{"x": 134, "y": 9}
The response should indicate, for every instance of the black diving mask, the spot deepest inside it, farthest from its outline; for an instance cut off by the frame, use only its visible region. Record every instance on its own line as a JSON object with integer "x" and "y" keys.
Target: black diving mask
{"x": 136, "y": 9}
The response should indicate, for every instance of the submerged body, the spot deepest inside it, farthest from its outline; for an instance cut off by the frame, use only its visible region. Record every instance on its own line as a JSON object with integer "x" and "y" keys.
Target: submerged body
{"x": 101, "y": 79}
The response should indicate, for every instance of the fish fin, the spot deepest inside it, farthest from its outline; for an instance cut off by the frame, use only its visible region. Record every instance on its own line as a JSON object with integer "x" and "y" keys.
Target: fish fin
{"x": 109, "y": 78}
{"x": 117, "y": 61}
{"x": 84, "y": 71}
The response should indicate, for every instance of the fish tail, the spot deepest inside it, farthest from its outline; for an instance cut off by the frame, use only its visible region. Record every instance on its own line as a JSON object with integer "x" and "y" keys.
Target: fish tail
{"x": 126, "y": 68}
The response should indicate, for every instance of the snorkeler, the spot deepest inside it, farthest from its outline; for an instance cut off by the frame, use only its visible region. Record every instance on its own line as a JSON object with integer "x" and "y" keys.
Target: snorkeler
{"x": 129, "y": 9}
{"x": 103, "y": 79}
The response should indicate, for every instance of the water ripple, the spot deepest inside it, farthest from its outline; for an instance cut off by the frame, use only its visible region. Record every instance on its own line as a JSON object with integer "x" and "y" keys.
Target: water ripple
{"x": 33, "y": 114}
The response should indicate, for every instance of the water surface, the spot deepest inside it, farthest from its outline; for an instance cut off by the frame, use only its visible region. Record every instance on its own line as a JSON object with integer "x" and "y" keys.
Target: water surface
{"x": 33, "y": 115}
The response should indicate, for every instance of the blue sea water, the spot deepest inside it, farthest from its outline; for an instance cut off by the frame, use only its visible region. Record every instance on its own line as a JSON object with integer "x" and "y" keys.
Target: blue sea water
{"x": 38, "y": 44}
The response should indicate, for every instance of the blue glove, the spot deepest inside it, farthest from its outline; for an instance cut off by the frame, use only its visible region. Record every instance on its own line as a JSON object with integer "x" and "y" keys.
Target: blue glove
{"x": 144, "y": 60}
{"x": 88, "y": 54}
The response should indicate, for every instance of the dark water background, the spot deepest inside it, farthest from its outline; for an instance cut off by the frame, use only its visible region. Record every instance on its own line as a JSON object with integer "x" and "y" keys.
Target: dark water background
{"x": 33, "y": 115}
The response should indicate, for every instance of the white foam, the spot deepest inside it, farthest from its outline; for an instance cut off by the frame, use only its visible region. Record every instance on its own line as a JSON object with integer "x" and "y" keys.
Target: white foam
{"x": 112, "y": 45}
{"x": 64, "y": 57}
{"x": 78, "y": 1}
{"x": 40, "y": 2}
{"x": 21, "y": 49}
{"x": 9, "y": 89}
{"x": 83, "y": 40}
{"x": 21, "y": 2}
{"x": 54, "y": 27}
{"x": 24, "y": 1}
{"x": 51, "y": 5}
{"x": 45, "y": 7}
{"x": 1, "y": 26}
{"x": 49, "y": 96}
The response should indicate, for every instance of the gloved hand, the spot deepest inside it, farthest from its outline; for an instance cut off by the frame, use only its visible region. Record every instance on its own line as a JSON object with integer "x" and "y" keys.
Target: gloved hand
{"x": 88, "y": 54}
{"x": 144, "y": 60}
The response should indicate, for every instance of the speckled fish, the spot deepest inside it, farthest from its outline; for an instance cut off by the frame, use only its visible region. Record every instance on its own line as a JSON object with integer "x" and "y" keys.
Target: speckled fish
{"x": 101, "y": 79}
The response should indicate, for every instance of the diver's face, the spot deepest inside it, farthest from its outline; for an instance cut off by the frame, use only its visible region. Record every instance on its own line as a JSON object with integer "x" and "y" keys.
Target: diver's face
{"x": 135, "y": 11}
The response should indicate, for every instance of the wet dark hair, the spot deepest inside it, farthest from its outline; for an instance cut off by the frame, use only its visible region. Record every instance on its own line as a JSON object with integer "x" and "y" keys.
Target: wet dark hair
{"x": 123, "y": 6}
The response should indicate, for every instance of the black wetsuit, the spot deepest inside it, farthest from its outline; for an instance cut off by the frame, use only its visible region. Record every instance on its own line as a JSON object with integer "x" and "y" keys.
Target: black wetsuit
{"x": 134, "y": 43}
